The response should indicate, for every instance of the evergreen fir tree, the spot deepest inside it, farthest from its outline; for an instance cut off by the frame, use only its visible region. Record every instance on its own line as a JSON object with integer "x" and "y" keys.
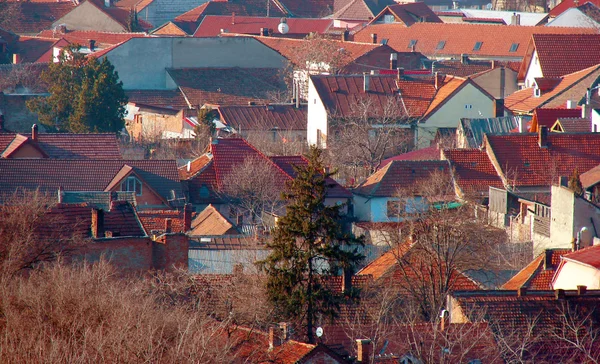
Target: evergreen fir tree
{"x": 308, "y": 247}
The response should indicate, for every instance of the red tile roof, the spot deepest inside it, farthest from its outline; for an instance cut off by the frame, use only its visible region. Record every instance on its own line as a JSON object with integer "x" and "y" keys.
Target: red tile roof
{"x": 34, "y": 16}
{"x": 570, "y": 87}
{"x": 409, "y": 13}
{"x": 387, "y": 181}
{"x": 154, "y": 220}
{"x": 33, "y": 49}
{"x": 573, "y": 125}
{"x": 83, "y": 37}
{"x": 567, "y": 4}
{"x": 120, "y": 15}
{"x": 358, "y": 9}
{"x": 525, "y": 163}
{"x": 590, "y": 177}
{"x": 588, "y": 256}
{"x": 548, "y": 116}
{"x": 538, "y": 274}
{"x": 227, "y": 86}
{"x": 84, "y": 175}
{"x": 461, "y": 38}
{"x": 211, "y": 222}
{"x": 309, "y": 8}
{"x": 69, "y": 146}
{"x": 264, "y": 118}
{"x": 473, "y": 171}
{"x": 212, "y": 25}
{"x": 378, "y": 58}
{"x": 189, "y": 21}
{"x": 426, "y": 154}
{"x": 169, "y": 99}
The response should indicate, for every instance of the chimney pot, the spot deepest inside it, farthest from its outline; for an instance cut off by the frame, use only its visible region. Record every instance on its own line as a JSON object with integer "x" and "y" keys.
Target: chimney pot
{"x": 168, "y": 225}
{"x": 345, "y": 35}
{"x": 393, "y": 61}
{"x": 34, "y": 132}
{"x": 521, "y": 291}
{"x": 581, "y": 290}
{"x": 543, "y": 137}
{"x": 374, "y": 38}
{"x": 187, "y": 217}
{"x": 274, "y": 340}
{"x": 363, "y": 350}
{"x": 97, "y": 223}
{"x": 559, "y": 294}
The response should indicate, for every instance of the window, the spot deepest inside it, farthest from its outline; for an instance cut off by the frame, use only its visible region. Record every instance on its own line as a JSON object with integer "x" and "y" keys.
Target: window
{"x": 537, "y": 92}
{"x": 441, "y": 45}
{"x": 468, "y": 106}
{"x": 132, "y": 184}
{"x": 412, "y": 43}
{"x": 384, "y": 41}
{"x": 389, "y": 18}
{"x": 514, "y": 47}
{"x": 477, "y": 46}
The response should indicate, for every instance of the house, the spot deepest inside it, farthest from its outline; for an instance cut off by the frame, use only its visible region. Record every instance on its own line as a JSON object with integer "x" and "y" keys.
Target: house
{"x": 214, "y": 25}
{"x": 538, "y": 274}
{"x": 31, "y": 17}
{"x": 100, "y": 15}
{"x": 547, "y": 116}
{"x": 101, "y": 39}
{"x": 582, "y": 16}
{"x": 379, "y": 198}
{"x": 451, "y": 40}
{"x": 565, "y": 5}
{"x": 590, "y": 181}
{"x": 580, "y": 268}
{"x": 472, "y": 173}
{"x": 350, "y": 13}
{"x": 573, "y": 125}
{"x": 157, "y": 222}
{"x": 142, "y": 63}
{"x": 155, "y": 183}
{"x": 553, "y": 92}
{"x": 272, "y": 122}
{"x": 552, "y": 56}
{"x": 536, "y": 322}
{"x": 209, "y": 174}
{"x": 480, "y": 16}
{"x": 470, "y": 132}
{"x": 385, "y": 58}
{"x": 58, "y": 146}
{"x": 428, "y": 102}
{"x": 406, "y": 14}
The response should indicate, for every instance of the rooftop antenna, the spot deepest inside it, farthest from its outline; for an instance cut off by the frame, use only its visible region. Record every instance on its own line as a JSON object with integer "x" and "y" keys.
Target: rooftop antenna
{"x": 268, "y": 7}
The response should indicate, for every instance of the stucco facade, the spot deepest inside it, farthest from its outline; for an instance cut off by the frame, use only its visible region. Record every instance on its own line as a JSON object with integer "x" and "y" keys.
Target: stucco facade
{"x": 142, "y": 62}
{"x": 317, "y": 118}
{"x": 573, "y": 18}
{"x": 88, "y": 17}
{"x": 572, "y": 274}
{"x": 533, "y": 71}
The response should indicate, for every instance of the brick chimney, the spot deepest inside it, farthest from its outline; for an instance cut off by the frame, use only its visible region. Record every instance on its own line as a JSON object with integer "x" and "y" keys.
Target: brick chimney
{"x": 393, "y": 61}
{"x": 286, "y": 330}
{"x": 464, "y": 58}
{"x": 498, "y": 108}
{"x": 264, "y": 32}
{"x": 168, "y": 225}
{"x": 345, "y": 35}
{"x": 548, "y": 259}
{"x": 581, "y": 290}
{"x": 521, "y": 291}
{"x": 34, "y": 132}
{"x": 347, "y": 280}
{"x": 233, "y": 17}
{"x": 438, "y": 80}
{"x": 97, "y": 223}
{"x": 364, "y": 347}
{"x": 274, "y": 339}
{"x": 543, "y": 137}
{"x": 400, "y": 73}
{"x": 374, "y": 38}
{"x": 187, "y": 217}
{"x": 92, "y": 45}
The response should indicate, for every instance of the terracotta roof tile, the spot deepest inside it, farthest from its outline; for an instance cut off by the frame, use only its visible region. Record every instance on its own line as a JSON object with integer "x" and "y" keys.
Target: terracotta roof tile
{"x": 590, "y": 177}
{"x": 33, "y": 49}
{"x": 169, "y": 99}
{"x": 308, "y": 8}
{"x": 211, "y": 26}
{"x": 227, "y": 86}
{"x": 537, "y": 275}
{"x": 83, "y": 37}
{"x": 211, "y": 222}
{"x": 461, "y": 38}
{"x": 120, "y": 15}
{"x": 34, "y": 16}
{"x": 588, "y": 256}
{"x": 590, "y": 10}
{"x": 548, "y": 116}
{"x": 69, "y": 146}
{"x": 567, "y": 4}
{"x": 561, "y": 54}
{"x": 170, "y": 28}
{"x": 571, "y": 87}
{"x": 573, "y": 125}
{"x": 84, "y": 175}
{"x": 521, "y": 157}
{"x": 409, "y": 13}
{"x": 398, "y": 175}
{"x": 264, "y": 118}
{"x": 154, "y": 220}
{"x": 426, "y": 154}
{"x": 473, "y": 171}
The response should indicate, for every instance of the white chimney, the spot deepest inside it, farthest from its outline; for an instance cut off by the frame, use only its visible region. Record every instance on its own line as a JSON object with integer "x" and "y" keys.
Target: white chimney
{"x": 367, "y": 81}
{"x": 107, "y": 3}
{"x": 570, "y": 104}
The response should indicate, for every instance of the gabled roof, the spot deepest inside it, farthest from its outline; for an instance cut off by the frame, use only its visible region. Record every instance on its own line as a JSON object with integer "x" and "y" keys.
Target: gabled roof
{"x": 378, "y": 59}
{"x": 567, "y": 4}
{"x": 170, "y": 28}
{"x": 590, "y": 177}
{"x": 431, "y": 153}
{"x": 358, "y": 9}
{"x": 190, "y": 20}
{"x": 36, "y": 49}
{"x": 538, "y": 274}
{"x": 167, "y": 99}
{"x": 473, "y": 172}
{"x": 570, "y": 87}
{"x": 84, "y": 174}
{"x": 523, "y": 162}
{"x": 562, "y": 54}
{"x": 212, "y": 25}
{"x": 83, "y": 37}
{"x": 548, "y": 116}
{"x": 34, "y": 16}
{"x": 471, "y": 67}
{"x": 18, "y": 143}
{"x": 120, "y": 15}
{"x": 413, "y": 96}
{"x": 227, "y": 86}
{"x": 475, "y": 129}
{"x": 409, "y": 14}
{"x": 496, "y": 41}
{"x": 396, "y": 175}
{"x": 308, "y": 8}
{"x": 591, "y": 10}
{"x": 264, "y": 117}
{"x": 211, "y": 222}
{"x": 572, "y": 125}
{"x": 589, "y": 256}
{"x": 154, "y": 220}
{"x": 65, "y": 146}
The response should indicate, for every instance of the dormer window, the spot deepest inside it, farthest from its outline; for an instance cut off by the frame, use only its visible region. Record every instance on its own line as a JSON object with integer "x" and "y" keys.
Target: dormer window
{"x": 441, "y": 45}
{"x": 132, "y": 184}
{"x": 477, "y": 46}
{"x": 514, "y": 47}
{"x": 388, "y": 18}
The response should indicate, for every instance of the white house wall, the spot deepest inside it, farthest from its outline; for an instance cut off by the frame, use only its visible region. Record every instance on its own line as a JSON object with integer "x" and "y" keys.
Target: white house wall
{"x": 573, "y": 18}
{"x": 88, "y": 17}
{"x": 533, "y": 71}
{"x": 317, "y": 116}
{"x": 573, "y": 274}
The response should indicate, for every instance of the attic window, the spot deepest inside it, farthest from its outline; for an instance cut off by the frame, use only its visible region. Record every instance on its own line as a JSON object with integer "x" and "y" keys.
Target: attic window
{"x": 514, "y": 47}
{"x": 412, "y": 43}
{"x": 388, "y": 18}
{"x": 384, "y": 41}
{"x": 477, "y": 46}
{"x": 441, "y": 45}
{"x": 132, "y": 184}
{"x": 204, "y": 192}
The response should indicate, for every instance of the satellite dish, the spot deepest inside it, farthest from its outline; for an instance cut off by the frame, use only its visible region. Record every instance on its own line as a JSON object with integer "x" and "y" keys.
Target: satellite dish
{"x": 283, "y": 27}
{"x": 489, "y": 6}
{"x": 319, "y": 331}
